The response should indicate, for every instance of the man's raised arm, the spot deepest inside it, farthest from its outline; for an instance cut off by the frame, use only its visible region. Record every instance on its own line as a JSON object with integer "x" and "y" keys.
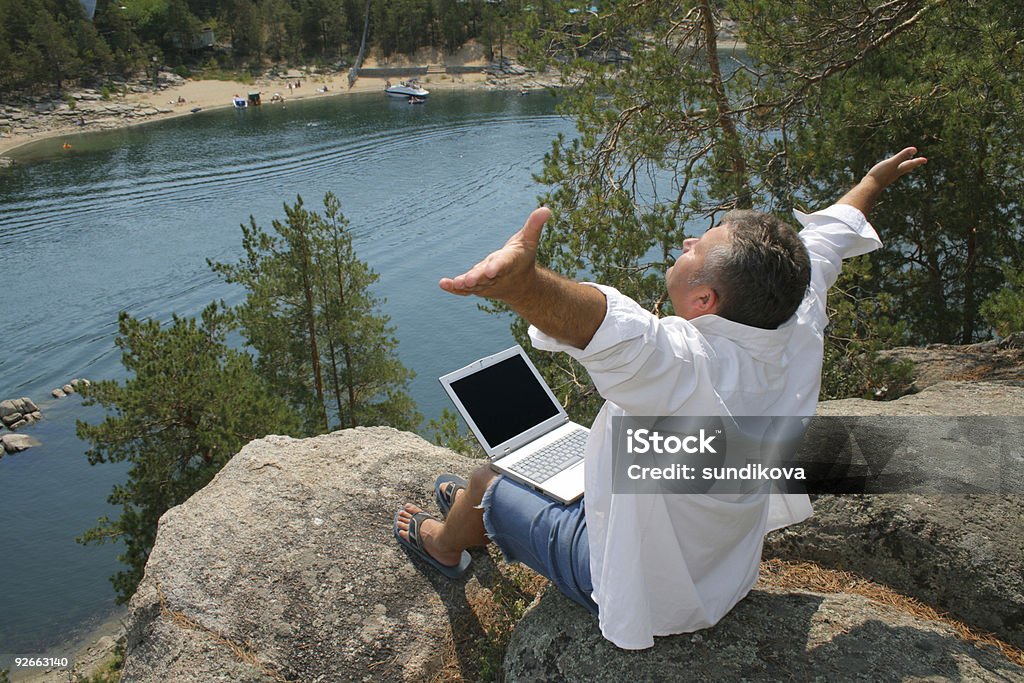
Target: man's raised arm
{"x": 865, "y": 193}
{"x": 559, "y": 307}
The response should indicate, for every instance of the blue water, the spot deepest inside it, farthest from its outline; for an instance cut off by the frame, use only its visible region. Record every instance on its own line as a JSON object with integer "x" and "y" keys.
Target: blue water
{"x": 125, "y": 220}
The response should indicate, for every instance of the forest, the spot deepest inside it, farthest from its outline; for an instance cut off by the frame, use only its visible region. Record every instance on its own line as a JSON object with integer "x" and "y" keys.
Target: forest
{"x": 46, "y": 43}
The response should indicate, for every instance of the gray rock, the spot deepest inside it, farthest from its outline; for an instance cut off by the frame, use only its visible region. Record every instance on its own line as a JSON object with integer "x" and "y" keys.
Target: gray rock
{"x": 68, "y": 389}
{"x": 36, "y": 416}
{"x": 984, "y": 361}
{"x": 25, "y": 404}
{"x": 770, "y": 636}
{"x": 289, "y": 555}
{"x": 15, "y": 443}
{"x": 58, "y": 393}
{"x": 8, "y": 408}
{"x": 963, "y": 554}
{"x": 12, "y": 418}
{"x": 17, "y": 425}
{"x": 1005, "y": 397}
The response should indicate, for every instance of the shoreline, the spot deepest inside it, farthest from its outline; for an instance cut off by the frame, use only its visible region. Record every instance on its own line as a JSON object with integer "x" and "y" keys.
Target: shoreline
{"x": 90, "y": 649}
{"x": 179, "y": 99}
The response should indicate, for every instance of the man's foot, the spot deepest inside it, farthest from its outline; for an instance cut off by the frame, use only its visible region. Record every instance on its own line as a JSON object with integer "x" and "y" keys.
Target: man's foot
{"x": 424, "y": 538}
{"x": 446, "y": 489}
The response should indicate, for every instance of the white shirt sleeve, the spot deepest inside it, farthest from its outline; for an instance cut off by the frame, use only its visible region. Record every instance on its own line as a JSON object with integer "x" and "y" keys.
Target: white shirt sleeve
{"x": 645, "y": 365}
{"x": 831, "y": 235}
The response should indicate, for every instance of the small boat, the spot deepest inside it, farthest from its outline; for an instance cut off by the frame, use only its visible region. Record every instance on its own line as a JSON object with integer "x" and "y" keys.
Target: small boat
{"x": 240, "y": 102}
{"x": 406, "y": 89}
{"x": 416, "y": 100}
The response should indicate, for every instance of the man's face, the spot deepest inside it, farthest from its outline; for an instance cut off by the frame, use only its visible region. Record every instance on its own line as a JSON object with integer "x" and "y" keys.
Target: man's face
{"x": 691, "y": 301}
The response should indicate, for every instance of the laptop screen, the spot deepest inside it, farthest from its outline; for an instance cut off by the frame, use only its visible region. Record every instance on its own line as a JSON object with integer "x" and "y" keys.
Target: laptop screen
{"x": 504, "y": 399}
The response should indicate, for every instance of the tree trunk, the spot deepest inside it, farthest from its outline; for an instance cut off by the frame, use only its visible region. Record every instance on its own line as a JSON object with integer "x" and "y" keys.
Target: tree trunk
{"x": 310, "y": 313}
{"x": 353, "y": 73}
{"x": 725, "y": 119}
{"x": 331, "y": 351}
{"x": 346, "y": 350}
{"x": 970, "y": 300}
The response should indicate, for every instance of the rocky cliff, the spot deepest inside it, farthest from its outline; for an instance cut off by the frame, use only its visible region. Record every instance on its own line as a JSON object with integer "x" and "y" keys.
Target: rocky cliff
{"x": 284, "y": 568}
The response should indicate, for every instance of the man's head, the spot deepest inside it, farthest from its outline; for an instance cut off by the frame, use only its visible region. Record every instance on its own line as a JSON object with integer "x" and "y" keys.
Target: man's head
{"x": 751, "y": 269}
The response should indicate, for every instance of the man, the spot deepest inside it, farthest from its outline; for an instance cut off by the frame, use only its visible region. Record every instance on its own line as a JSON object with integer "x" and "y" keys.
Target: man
{"x": 747, "y": 340}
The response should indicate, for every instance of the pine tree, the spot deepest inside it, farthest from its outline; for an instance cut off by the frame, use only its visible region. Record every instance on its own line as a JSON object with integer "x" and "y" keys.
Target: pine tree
{"x": 674, "y": 130}
{"x": 189, "y": 406}
{"x": 310, "y": 315}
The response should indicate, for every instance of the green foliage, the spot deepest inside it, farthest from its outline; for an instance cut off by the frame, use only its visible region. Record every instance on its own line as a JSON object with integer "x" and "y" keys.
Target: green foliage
{"x": 190, "y": 405}
{"x": 682, "y": 130}
{"x": 1004, "y": 310}
{"x": 448, "y": 432}
{"x": 658, "y": 150}
{"x": 861, "y": 326}
{"x": 49, "y": 41}
{"x": 943, "y": 76}
{"x": 310, "y": 315}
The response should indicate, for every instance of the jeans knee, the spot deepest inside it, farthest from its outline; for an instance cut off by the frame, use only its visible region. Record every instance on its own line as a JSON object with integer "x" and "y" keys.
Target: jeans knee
{"x": 479, "y": 481}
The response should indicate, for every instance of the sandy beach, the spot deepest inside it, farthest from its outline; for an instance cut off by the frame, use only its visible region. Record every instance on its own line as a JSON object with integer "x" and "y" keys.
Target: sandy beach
{"x": 212, "y": 94}
{"x": 180, "y": 100}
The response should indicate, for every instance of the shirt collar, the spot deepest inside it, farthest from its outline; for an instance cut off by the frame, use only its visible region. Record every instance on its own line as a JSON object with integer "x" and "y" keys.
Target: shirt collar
{"x": 768, "y": 346}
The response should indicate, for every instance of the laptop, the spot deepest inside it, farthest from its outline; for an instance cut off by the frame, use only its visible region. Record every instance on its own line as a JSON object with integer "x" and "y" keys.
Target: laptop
{"x": 521, "y": 425}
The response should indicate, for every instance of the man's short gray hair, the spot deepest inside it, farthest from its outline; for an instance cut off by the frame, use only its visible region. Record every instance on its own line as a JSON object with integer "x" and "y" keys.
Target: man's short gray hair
{"x": 761, "y": 276}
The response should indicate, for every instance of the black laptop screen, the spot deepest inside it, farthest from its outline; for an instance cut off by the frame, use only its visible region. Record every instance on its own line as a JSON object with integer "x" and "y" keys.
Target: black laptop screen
{"x": 504, "y": 399}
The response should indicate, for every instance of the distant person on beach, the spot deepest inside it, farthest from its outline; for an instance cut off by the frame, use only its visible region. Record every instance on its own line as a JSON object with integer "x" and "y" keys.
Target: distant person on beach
{"x": 747, "y": 339}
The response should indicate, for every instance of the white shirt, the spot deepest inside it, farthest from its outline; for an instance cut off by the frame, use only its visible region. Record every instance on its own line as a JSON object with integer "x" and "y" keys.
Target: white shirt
{"x": 665, "y": 564}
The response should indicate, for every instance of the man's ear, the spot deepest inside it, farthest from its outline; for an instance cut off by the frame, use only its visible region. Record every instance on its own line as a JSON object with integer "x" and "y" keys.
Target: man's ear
{"x": 705, "y": 300}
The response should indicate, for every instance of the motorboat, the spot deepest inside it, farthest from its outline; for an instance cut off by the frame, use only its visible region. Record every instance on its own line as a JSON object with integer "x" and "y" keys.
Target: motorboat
{"x": 239, "y": 102}
{"x": 406, "y": 89}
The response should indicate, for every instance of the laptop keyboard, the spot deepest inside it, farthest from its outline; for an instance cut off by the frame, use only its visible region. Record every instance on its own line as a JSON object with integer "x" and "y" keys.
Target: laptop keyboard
{"x": 553, "y": 458}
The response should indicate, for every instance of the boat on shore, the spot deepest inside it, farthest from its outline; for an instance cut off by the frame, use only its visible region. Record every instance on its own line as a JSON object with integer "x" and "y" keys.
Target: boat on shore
{"x": 406, "y": 89}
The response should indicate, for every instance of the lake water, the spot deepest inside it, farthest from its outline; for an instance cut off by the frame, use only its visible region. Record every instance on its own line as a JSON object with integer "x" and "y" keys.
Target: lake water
{"x": 125, "y": 220}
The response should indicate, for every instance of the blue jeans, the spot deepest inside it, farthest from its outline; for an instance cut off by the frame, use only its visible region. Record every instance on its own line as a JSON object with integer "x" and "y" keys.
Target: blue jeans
{"x": 543, "y": 534}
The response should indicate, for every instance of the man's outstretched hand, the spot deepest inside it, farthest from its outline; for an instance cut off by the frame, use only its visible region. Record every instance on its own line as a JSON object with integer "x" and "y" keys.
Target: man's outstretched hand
{"x": 564, "y": 309}
{"x": 507, "y": 273}
{"x": 886, "y": 172}
{"x": 883, "y": 174}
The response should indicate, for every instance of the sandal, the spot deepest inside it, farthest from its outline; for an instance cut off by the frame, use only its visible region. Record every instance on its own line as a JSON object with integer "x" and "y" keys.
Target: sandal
{"x": 445, "y": 489}
{"x": 415, "y": 545}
